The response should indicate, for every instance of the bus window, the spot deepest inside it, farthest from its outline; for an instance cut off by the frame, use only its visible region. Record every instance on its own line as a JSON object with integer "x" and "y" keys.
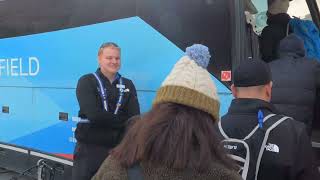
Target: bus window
{"x": 297, "y": 8}
{"x": 258, "y": 18}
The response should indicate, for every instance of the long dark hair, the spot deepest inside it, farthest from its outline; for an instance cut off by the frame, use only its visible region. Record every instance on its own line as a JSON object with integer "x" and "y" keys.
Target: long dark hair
{"x": 175, "y": 136}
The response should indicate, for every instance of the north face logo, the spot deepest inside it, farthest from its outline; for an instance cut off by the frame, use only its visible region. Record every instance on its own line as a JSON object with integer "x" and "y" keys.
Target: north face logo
{"x": 272, "y": 148}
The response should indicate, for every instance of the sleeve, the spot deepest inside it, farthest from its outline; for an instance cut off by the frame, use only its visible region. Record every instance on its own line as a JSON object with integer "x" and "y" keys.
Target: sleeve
{"x": 86, "y": 95}
{"x": 304, "y": 168}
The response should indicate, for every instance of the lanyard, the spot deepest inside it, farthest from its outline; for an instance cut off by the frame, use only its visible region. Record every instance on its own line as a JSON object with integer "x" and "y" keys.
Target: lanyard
{"x": 104, "y": 95}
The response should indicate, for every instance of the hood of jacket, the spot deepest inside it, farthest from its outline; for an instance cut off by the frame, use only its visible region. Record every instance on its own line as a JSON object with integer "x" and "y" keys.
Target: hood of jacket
{"x": 292, "y": 46}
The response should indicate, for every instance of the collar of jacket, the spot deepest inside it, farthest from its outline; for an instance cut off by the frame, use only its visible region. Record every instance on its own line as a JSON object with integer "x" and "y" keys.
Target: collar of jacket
{"x": 105, "y": 79}
{"x": 246, "y": 105}
{"x": 281, "y": 19}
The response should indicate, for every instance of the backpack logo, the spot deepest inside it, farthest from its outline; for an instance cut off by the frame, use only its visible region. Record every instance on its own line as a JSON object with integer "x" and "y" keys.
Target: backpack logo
{"x": 230, "y": 147}
{"x": 272, "y": 148}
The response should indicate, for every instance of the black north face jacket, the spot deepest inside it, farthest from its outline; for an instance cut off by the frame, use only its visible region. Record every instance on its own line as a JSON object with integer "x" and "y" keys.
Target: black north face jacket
{"x": 293, "y": 161}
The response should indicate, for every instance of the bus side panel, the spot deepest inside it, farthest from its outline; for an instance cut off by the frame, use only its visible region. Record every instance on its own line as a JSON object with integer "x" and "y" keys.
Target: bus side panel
{"x": 46, "y": 68}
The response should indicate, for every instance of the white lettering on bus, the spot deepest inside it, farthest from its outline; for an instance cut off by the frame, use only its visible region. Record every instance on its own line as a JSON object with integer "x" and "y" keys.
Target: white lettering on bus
{"x": 19, "y": 66}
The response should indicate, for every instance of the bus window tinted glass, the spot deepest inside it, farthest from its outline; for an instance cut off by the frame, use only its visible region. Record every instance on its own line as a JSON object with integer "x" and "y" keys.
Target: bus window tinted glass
{"x": 297, "y": 8}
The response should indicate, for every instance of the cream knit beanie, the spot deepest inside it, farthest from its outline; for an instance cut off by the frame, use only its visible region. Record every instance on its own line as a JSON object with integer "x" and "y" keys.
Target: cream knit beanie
{"x": 189, "y": 83}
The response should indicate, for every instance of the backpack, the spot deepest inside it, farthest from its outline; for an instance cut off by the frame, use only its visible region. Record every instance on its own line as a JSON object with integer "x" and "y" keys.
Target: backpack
{"x": 248, "y": 152}
{"x": 310, "y": 35}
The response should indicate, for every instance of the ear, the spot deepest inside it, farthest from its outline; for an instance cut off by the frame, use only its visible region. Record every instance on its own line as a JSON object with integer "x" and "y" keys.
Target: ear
{"x": 234, "y": 91}
{"x": 269, "y": 89}
{"x": 99, "y": 58}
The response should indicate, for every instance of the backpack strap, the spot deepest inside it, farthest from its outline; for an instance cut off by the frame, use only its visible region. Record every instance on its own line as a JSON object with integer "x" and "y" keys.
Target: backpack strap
{"x": 246, "y": 161}
{"x": 135, "y": 172}
{"x": 222, "y": 131}
{"x": 264, "y": 142}
{"x": 249, "y": 135}
{"x": 257, "y": 127}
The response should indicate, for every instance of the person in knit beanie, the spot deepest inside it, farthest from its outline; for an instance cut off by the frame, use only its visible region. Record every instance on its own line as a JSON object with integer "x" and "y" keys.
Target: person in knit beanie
{"x": 176, "y": 139}
{"x": 190, "y": 84}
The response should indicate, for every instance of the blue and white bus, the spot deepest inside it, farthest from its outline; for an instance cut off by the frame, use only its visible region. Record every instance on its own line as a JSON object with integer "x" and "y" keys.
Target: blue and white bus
{"x": 45, "y": 46}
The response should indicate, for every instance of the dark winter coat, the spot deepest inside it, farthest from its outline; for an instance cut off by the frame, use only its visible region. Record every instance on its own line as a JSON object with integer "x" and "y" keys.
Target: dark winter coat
{"x": 295, "y": 81}
{"x": 105, "y": 128}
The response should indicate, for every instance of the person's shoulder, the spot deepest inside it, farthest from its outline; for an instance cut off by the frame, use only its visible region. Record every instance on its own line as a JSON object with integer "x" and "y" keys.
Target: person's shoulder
{"x": 110, "y": 169}
{"x": 268, "y": 30}
{"x": 273, "y": 32}
{"x": 86, "y": 81}
{"x": 265, "y": 31}
{"x": 126, "y": 79}
{"x": 128, "y": 82}
{"x": 313, "y": 62}
{"x": 85, "y": 77}
{"x": 281, "y": 64}
{"x": 292, "y": 124}
{"x": 225, "y": 118}
{"x": 307, "y": 60}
